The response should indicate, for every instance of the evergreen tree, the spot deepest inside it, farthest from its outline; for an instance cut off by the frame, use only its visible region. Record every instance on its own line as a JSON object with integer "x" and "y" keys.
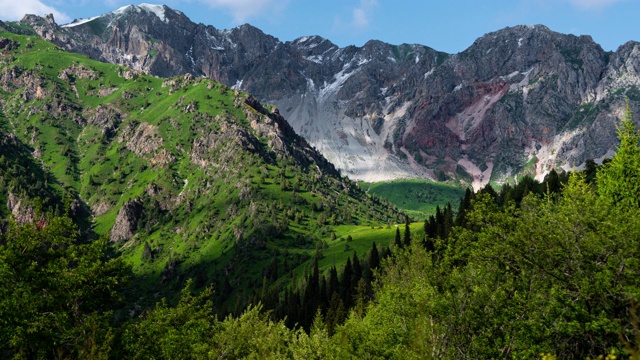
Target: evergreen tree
{"x": 336, "y": 314}
{"x": 323, "y": 300}
{"x": 311, "y": 296}
{"x": 361, "y": 298}
{"x": 465, "y": 206}
{"x": 591, "y": 169}
{"x": 346, "y": 285}
{"x": 334, "y": 283}
{"x": 398, "y": 241}
{"x": 552, "y": 181}
{"x": 488, "y": 189}
{"x": 357, "y": 271}
{"x": 431, "y": 227}
{"x": 407, "y": 231}
{"x": 448, "y": 220}
{"x": 374, "y": 257}
{"x": 439, "y": 223}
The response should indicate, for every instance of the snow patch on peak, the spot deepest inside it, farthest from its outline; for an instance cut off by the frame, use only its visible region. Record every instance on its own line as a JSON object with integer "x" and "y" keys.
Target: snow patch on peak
{"x": 315, "y": 58}
{"x": 363, "y": 61}
{"x": 77, "y": 22}
{"x": 329, "y": 89}
{"x": 309, "y": 42}
{"x": 123, "y": 9}
{"x": 156, "y": 9}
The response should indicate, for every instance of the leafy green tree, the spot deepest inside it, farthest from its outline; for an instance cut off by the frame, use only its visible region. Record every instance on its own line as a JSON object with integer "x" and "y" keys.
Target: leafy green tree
{"x": 316, "y": 345}
{"x": 619, "y": 180}
{"x": 169, "y": 332}
{"x": 56, "y": 292}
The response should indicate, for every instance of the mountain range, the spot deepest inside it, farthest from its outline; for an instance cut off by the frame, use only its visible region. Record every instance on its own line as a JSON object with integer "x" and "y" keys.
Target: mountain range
{"x": 521, "y": 100}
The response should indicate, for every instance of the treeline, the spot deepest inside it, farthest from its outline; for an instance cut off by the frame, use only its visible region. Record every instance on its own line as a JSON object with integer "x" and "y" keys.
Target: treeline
{"x": 332, "y": 295}
{"x": 440, "y": 224}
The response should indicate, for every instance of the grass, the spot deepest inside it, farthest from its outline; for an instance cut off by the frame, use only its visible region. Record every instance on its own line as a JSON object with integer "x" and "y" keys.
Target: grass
{"x": 339, "y": 250}
{"x": 418, "y": 198}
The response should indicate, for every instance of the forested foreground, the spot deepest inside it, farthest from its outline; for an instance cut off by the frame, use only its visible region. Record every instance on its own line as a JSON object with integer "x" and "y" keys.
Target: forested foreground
{"x": 553, "y": 275}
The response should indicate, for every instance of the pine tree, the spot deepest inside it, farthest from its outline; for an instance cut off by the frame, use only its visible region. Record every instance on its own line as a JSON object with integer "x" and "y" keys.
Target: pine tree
{"x": 398, "y": 241}
{"x": 345, "y": 285}
{"x": 552, "y": 181}
{"x": 361, "y": 298}
{"x": 407, "y": 231}
{"x": 336, "y": 313}
{"x": 374, "y": 257}
{"x": 311, "y": 296}
{"x": 357, "y": 271}
{"x": 465, "y": 206}
{"x": 334, "y": 284}
{"x": 147, "y": 253}
{"x": 323, "y": 300}
{"x": 448, "y": 220}
{"x": 431, "y": 227}
{"x": 439, "y": 223}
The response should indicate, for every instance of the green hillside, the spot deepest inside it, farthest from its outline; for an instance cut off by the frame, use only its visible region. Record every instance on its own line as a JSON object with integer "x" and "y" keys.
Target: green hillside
{"x": 418, "y": 198}
{"x": 214, "y": 185}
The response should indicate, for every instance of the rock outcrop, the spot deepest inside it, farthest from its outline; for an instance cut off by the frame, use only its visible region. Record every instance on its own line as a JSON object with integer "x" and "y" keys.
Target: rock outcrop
{"x": 127, "y": 221}
{"x": 21, "y": 213}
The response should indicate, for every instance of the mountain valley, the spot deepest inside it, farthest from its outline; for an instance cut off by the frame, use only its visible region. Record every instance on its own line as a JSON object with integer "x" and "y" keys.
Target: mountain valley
{"x": 169, "y": 190}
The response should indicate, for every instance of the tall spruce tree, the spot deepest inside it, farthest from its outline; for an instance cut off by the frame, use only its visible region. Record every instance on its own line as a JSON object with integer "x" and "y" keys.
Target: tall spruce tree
{"x": 407, "y": 231}
{"x": 398, "y": 241}
{"x": 346, "y": 284}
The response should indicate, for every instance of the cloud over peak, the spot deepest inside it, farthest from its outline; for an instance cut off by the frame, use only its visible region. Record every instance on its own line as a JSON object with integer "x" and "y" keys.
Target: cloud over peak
{"x": 14, "y": 10}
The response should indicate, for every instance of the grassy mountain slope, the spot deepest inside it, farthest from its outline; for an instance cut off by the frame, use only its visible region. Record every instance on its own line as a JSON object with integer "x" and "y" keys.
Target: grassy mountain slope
{"x": 188, "y": 177}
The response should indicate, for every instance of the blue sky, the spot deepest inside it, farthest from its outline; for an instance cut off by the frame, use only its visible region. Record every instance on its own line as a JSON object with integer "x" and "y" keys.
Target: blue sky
{"x": 445, "y": 25}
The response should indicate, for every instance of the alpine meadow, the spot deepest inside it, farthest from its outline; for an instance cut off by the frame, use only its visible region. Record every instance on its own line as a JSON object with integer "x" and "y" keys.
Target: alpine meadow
{"x": 160, "y": 207}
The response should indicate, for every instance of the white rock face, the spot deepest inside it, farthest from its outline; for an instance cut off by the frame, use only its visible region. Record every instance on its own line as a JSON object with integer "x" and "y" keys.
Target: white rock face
{"x": 351, "y": 144}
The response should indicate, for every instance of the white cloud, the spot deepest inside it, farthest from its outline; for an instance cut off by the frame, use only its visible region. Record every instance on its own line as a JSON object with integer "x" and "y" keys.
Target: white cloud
{"x": 593, "y": 4}
{"x": 360, "y": 18}
{"x": 242, "y": 10}
{"x": 14, "y": 10}
{"x": 361, "y": 15}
